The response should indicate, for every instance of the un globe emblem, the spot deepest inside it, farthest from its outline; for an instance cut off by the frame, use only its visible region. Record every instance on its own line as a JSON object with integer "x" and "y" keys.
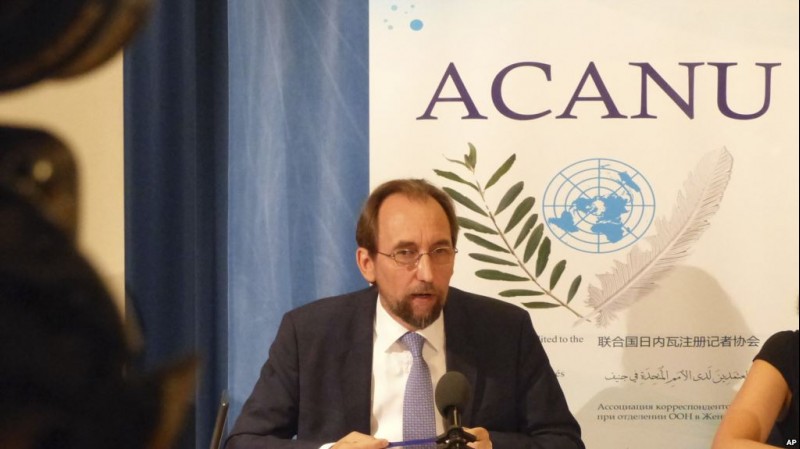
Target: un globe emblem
{"x": 598, "y": 205}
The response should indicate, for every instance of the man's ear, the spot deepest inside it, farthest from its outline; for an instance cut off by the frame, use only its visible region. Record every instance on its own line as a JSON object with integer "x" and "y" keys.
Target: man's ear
{"x": 366, "y": 264}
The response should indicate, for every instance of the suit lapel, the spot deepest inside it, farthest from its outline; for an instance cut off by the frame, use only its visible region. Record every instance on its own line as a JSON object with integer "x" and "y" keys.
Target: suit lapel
{"x": 356, "y": 355}
{"x": 460, "y": 347}
{"x": 356, "y": 360}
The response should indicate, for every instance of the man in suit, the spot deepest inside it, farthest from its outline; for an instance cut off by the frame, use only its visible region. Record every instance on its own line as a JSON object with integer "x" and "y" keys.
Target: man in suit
{"x": 338, "y": 367}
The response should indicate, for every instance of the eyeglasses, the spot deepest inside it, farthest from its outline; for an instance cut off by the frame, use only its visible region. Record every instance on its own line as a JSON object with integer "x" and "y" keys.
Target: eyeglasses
{"x": 409, "y": 258}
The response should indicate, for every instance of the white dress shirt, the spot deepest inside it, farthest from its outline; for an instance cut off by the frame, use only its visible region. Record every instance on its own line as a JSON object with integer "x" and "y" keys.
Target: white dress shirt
{"x": 391, "y": 364}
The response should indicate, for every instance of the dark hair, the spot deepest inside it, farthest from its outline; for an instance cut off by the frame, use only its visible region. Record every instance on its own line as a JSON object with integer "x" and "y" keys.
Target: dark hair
{"x": 367, "y": 228}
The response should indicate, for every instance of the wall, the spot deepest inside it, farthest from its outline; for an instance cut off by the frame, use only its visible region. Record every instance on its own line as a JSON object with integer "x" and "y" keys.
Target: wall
{"x": 86, "y": 114}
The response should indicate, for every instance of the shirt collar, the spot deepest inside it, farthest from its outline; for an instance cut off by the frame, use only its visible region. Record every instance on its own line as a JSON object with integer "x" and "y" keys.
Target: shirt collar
{"x": 387, "y": 331}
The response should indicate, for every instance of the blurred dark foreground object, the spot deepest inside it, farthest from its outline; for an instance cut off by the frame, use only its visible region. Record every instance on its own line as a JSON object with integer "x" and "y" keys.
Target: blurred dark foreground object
{"x": 41, "y": 169}
{"x": 67, "y": 378}
{"x": 67, "y": 374}
{"x": 57, "y": 39}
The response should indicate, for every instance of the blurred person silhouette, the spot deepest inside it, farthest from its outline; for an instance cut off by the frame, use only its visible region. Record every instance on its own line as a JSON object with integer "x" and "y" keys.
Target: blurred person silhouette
{"x": 764, "y": 412}
{"x": 67, "y": 371}
{"x": 66, "y": 375}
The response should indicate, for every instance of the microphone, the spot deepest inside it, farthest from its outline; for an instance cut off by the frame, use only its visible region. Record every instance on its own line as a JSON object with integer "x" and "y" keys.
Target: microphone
{"x": 452, "y": 396}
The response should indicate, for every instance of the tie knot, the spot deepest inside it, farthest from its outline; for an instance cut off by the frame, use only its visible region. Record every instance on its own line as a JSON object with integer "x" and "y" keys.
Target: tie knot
{"x": 413, "y": 342}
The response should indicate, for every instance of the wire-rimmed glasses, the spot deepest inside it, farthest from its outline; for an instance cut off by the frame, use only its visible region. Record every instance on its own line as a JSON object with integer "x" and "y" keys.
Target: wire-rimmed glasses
{"x": 409, "y": 258}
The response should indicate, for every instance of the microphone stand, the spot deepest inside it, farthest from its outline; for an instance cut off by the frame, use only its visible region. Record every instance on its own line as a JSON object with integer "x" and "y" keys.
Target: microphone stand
{"x": 455, "y": 437}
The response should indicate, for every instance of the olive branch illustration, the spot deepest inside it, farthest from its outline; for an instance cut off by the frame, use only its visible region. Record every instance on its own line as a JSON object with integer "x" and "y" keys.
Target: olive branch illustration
{"x": 498, "y": 239}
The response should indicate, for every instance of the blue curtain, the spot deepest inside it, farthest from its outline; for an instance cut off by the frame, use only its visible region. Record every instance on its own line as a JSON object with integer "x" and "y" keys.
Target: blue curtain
{"x": 175, "y": 81}
{"x": 299, "y": 162}
{"x": 246, "y": 162}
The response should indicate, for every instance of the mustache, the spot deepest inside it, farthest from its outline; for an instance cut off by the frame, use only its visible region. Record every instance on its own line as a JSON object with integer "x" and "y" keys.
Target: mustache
{"x": 426, "y": 289}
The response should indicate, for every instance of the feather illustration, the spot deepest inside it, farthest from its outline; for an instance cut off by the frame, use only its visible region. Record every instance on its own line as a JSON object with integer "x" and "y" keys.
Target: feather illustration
{"x": 696, "y": 204}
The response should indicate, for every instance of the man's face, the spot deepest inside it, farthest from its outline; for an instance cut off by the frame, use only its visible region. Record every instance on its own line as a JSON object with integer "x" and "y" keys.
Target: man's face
{"x": 414, "y": 296}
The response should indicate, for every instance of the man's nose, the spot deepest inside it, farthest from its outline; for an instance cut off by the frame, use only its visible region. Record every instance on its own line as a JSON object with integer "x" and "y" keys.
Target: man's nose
{"x": 425, "y": 268}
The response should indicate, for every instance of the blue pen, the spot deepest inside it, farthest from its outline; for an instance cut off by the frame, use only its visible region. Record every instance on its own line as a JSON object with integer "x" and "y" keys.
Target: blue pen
{"x": 412, "y": 442}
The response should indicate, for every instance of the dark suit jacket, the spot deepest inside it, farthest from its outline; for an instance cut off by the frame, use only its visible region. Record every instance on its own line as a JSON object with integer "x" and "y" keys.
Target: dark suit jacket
{"x": 316, "y": 384}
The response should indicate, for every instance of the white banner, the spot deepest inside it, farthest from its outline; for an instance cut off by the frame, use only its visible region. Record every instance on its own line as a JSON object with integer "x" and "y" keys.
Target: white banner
{"x": 626, "y": 170}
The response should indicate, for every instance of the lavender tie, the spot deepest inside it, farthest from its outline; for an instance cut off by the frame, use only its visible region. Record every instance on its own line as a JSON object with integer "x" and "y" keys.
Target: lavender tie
{"x": 418, "y": 413}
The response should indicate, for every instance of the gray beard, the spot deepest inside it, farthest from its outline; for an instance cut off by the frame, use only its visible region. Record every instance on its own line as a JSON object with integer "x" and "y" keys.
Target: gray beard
{"x": 404, "y": 311}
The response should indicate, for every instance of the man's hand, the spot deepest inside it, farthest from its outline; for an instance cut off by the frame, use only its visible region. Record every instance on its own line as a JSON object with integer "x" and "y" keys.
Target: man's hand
{"x": 482, "y": 439}
{"x": 357, "y": 440}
